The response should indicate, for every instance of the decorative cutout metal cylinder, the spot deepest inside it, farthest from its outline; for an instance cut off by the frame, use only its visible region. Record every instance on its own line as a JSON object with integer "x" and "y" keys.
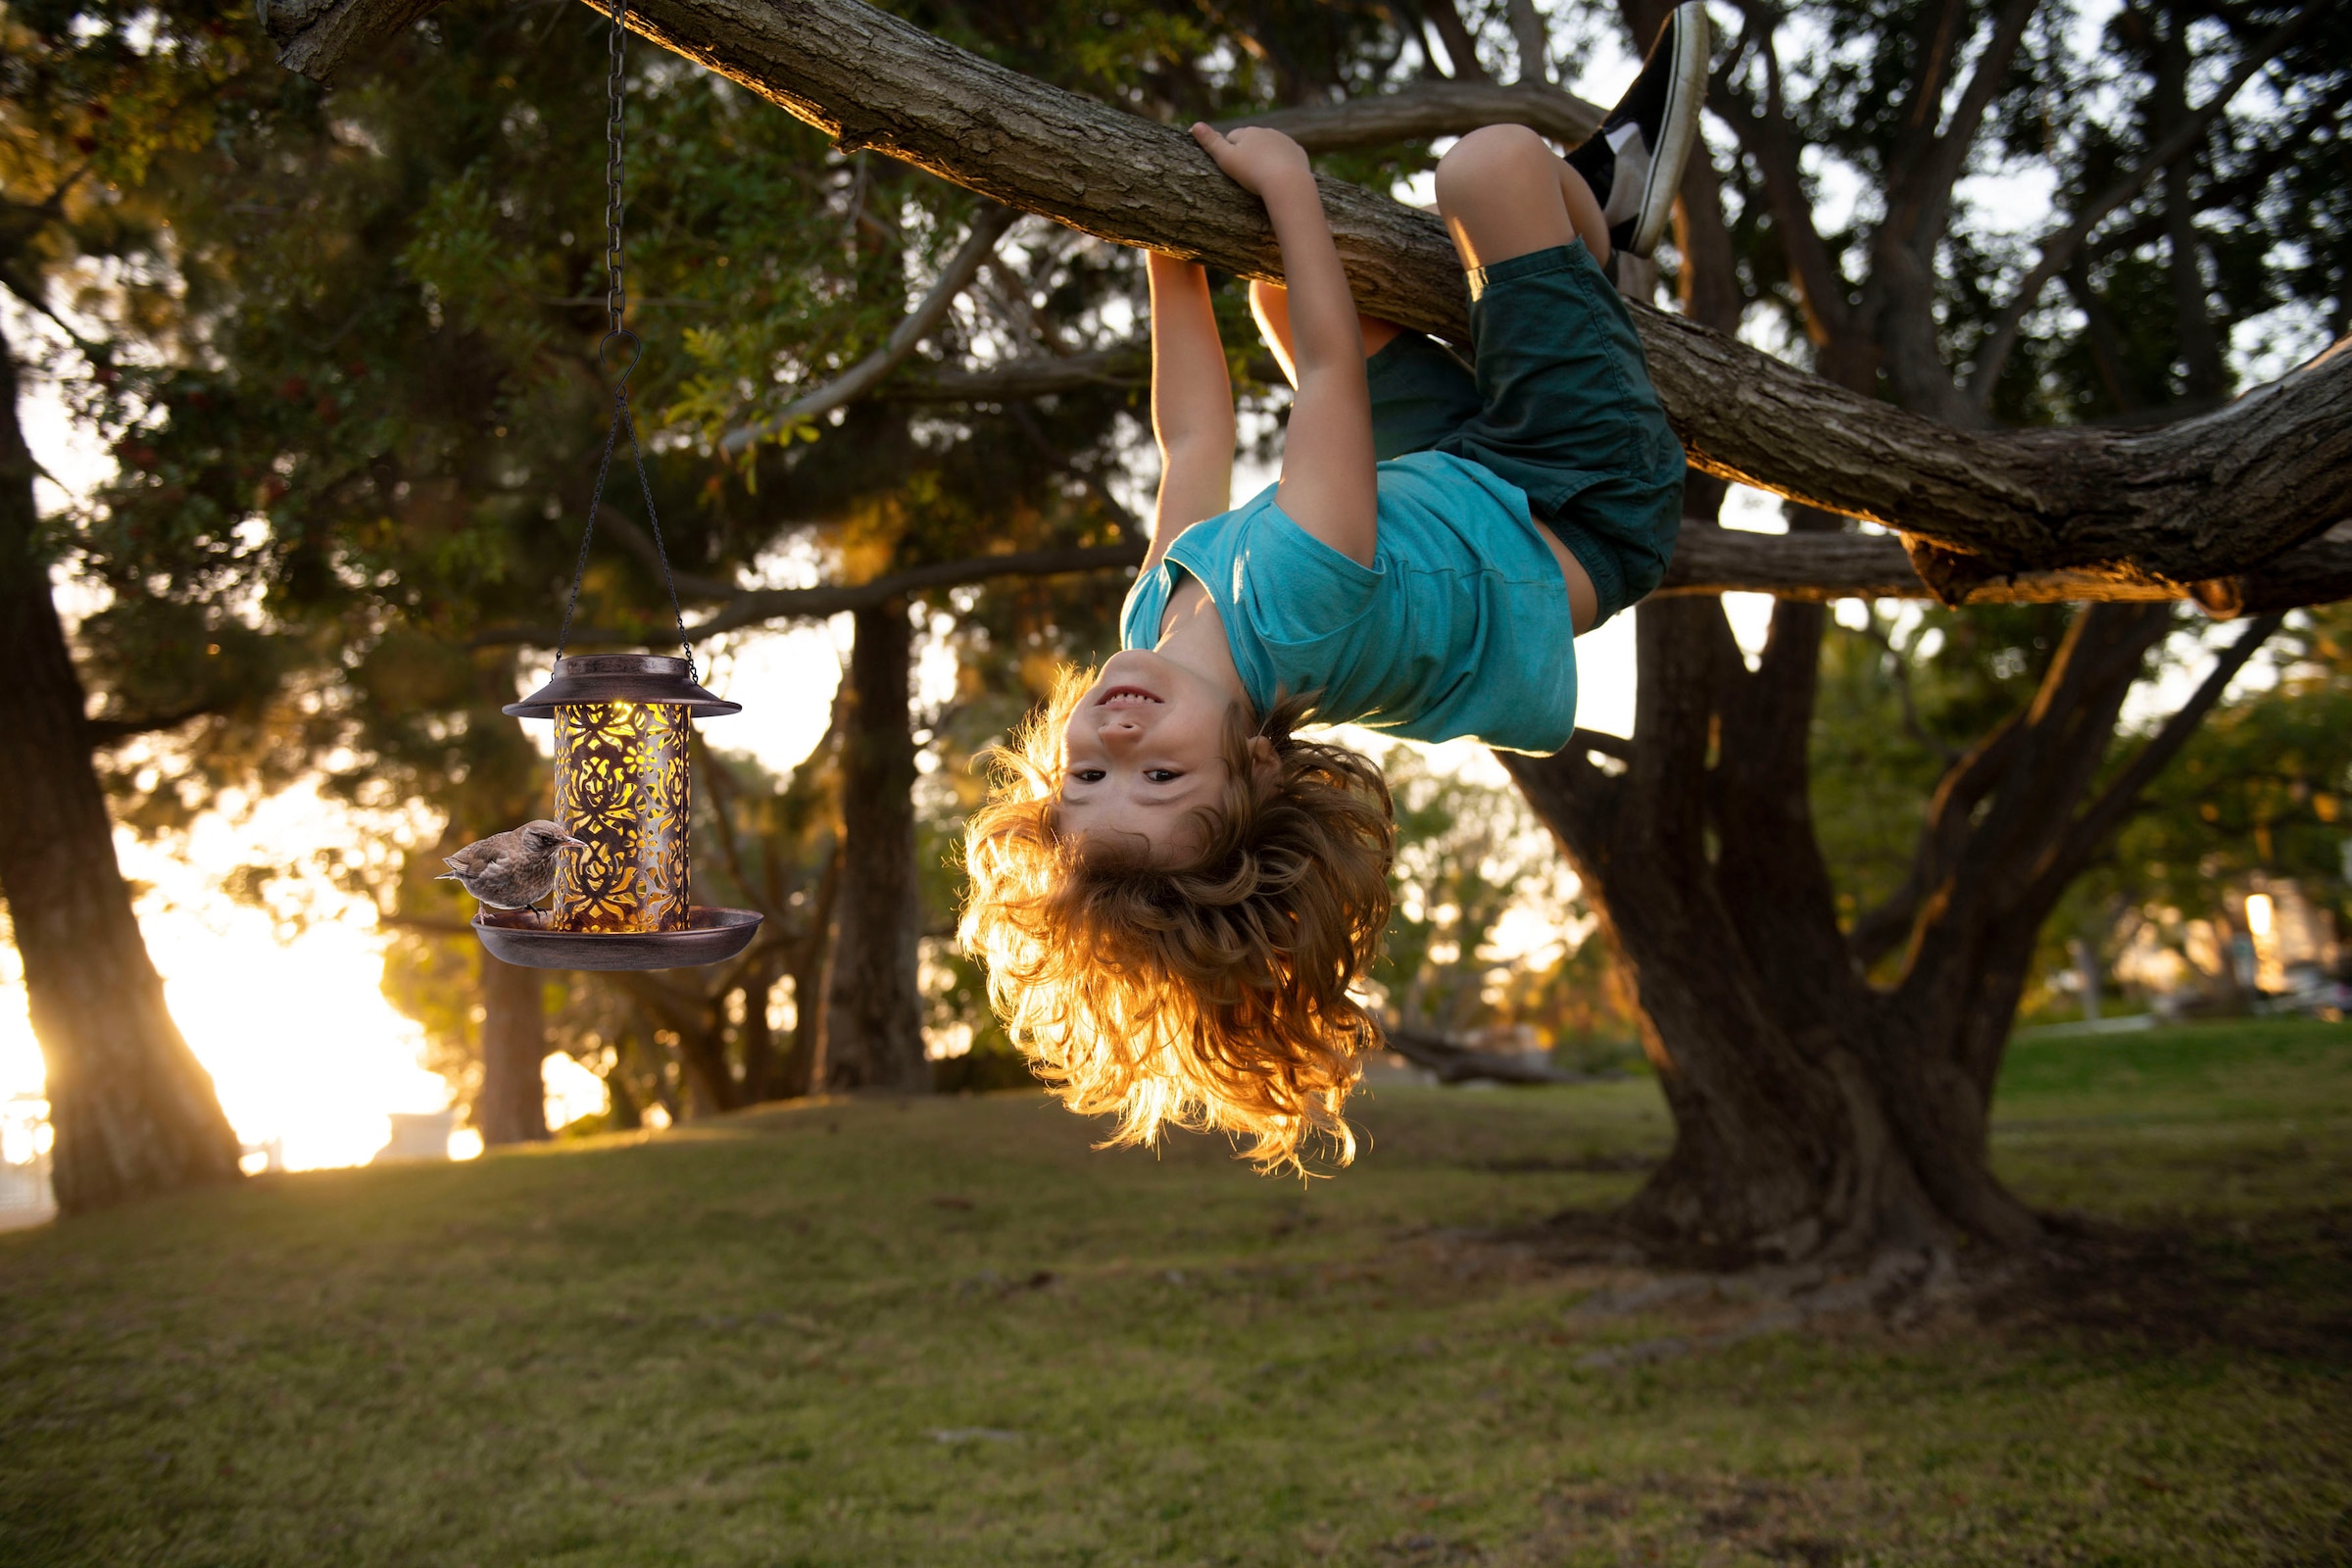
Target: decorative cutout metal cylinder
{"x": 621, "y": 786}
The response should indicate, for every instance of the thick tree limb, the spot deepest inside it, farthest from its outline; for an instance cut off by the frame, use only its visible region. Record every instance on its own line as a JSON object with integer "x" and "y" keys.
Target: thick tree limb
{"x": 2202, "y": 499}
{"x": 2059, "y": 246}
{"x": 1432, "y": 109}
{"x": 1811, "y": 566}
{"x": 920, "y": 323}
{"x": 1824, "y": 566}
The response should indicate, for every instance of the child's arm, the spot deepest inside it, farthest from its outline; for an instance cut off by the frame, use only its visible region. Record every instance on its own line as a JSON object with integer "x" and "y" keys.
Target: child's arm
{"x": 1328, "y": 484}
{"x": 1192, "y": 403}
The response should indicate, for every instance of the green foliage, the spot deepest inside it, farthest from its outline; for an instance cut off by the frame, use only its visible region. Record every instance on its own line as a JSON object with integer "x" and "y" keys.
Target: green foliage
{"x": 1902, "y": 697}
{"x": 1488, "y": 935}
{"x": 2266, "y": 784}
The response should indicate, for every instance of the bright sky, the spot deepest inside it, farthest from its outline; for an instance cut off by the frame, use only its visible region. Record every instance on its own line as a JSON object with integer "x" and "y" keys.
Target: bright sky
{"x": 294, "y": 1027}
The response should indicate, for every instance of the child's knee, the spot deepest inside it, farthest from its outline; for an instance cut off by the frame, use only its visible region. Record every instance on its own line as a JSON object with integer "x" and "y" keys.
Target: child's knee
{"x": 1492, "y": 160}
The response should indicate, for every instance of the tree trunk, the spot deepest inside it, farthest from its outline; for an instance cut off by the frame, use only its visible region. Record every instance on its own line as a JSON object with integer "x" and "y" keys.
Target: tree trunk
{"x": 133, "y": 1110}
{"x": 762, "y": 1063}
{"x": 1780, "y": 1149}
{"x": 873, "y": 1011}
{"x": 810, "y": 964}
{"x": 512, "y": 1108}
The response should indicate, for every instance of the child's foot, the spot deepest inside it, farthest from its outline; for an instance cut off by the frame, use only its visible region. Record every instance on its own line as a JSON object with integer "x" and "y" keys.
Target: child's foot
{"x": 1635, "y": 162}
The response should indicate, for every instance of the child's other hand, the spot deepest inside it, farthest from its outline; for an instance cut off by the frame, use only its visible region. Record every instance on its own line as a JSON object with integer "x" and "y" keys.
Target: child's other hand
{"x": 1257, "y": 158}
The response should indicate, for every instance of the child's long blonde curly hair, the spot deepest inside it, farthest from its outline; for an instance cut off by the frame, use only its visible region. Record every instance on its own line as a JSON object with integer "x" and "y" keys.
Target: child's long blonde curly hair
{"x": 1212, "y": 994}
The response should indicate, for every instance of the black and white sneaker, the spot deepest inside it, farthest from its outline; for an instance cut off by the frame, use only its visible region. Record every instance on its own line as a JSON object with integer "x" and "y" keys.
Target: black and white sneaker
{"x": 1634, "y": 162}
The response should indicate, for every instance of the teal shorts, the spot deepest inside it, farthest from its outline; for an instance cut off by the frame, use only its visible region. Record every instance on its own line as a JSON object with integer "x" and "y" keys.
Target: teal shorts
{"x": 1557, "y": 401}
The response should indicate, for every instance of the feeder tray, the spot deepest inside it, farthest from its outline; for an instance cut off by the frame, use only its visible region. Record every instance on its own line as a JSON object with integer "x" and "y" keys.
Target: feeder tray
{"x": 711, "y": 936}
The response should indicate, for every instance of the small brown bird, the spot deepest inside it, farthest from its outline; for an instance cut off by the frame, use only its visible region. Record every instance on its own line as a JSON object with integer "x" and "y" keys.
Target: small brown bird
{"x": 511, "y": 870}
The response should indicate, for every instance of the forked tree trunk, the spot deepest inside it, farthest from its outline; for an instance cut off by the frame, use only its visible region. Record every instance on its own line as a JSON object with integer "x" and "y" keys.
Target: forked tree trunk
{"x": 512, "y": 1108}
{"x": 873, "y": 1013}
{"x": 1815, "y": 1114}
{"x": 133, "y": 1109}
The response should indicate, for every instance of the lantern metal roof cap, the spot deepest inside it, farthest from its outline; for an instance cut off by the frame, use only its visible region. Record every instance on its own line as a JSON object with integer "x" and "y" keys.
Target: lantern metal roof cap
{"x": 621, "y": 678}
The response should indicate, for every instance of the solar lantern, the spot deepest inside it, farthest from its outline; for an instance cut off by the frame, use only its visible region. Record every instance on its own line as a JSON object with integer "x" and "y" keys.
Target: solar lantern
{"x": 623, "y": 726}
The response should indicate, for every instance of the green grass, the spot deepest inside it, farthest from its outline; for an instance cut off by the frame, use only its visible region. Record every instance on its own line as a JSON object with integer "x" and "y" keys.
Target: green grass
{"x": 947, "y": 1333}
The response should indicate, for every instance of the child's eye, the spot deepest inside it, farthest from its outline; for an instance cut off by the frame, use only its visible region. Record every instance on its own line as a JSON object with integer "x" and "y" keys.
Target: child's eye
{"x": 1088, "y": 776}
{"x": 1162, "y": 775}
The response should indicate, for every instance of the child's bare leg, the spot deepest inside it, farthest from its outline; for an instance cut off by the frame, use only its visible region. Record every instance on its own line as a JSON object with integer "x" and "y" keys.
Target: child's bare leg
{"x": 1503, "y": 193}
{"x": 1270, "y": 303}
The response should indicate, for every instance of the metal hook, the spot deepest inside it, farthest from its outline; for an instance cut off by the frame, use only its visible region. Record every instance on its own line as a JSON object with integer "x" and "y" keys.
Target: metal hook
{"x": 636, "y": 354}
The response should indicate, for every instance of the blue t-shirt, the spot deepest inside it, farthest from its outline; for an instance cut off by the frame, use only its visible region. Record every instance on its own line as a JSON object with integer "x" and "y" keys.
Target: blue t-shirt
{"x": 1460, "y": 625}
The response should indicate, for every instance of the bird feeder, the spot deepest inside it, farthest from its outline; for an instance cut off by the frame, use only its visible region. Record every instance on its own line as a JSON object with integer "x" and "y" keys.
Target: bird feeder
{"x": 623, "y": 722}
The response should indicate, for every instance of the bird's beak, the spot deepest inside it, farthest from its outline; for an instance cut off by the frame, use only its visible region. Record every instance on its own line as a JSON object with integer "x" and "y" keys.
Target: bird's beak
{"x": 447, "y": 876}
{"x": 572, "y": 843}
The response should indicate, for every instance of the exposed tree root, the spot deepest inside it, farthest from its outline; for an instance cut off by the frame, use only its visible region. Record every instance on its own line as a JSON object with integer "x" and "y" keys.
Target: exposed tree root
{"x": 2281, "y": 1289}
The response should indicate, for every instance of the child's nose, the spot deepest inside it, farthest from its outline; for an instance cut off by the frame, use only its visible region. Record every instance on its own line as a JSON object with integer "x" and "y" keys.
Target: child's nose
{"x": 1122, "y": 730}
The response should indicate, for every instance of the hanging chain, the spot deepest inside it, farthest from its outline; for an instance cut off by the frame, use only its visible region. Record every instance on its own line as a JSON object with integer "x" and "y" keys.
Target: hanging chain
{"x": 618, "y": 335}
{"x": 617, "y": 133}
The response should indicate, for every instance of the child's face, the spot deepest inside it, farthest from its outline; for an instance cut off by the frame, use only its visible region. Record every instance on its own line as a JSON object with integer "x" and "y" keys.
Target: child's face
{"x": 1145, "y": 749}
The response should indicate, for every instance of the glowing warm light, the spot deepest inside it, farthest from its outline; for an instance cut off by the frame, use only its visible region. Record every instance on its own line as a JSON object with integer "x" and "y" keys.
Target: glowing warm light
{"x": 2260, "y": 914}
{"x": 621, "y": 784}
{"x": 464, "y": 1143}
{"x": 572, "y": 1092}
{"x": 304, "y": 1051}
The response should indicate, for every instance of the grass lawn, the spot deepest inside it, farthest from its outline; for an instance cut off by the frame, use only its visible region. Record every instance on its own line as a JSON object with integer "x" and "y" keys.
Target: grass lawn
{"x": 947, "y": 1333}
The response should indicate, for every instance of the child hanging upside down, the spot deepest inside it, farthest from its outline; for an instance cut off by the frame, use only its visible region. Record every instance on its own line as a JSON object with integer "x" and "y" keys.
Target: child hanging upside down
{"x": 1172, "y": 890}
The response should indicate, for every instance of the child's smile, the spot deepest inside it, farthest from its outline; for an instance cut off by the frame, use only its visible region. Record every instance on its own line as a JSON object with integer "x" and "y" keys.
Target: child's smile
{"x": 1144, "y": 750}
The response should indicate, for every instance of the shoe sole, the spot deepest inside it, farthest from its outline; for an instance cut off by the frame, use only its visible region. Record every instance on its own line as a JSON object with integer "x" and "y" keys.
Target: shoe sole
{"x": 1679, "y": 128}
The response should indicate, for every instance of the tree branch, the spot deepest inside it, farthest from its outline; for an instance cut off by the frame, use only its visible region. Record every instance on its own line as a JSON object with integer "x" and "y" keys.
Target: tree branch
{"x": 1455, "y": 1063}
{"x": 1017, "y": 380}
{"x": 754, "y": 606}
{"x": 1948, "y": 153}
{"x": 1810, "y": 566}
{"x": 2202, "y": 499}
{"x": 1430, "y": 108}
{"x": 978, "y": 246}
{"x": 1532, "y": 42}
{"x": 1763, "y": 132}
{"x": 639, "y": 543}
{"x": 111, "y": 731}
{"x": 2105, "y": 815}
{"x": 1462, "y": 50}
{"x": 2059, "y": 246}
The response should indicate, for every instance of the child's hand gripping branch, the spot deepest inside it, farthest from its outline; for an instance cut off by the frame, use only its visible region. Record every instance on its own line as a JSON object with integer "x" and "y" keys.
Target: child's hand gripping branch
{"x": 1174, "y": 894}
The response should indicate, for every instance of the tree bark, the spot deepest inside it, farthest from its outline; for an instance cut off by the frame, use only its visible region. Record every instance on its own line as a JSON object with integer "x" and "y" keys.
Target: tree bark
{"x": 811, "y": 964}
{"x": 133, "y": 1109}
{"x": 2204, "y": 499}
{"x": 873, "y": 1024}
{"x": 513, "y": 1105}
{"x": 1432, "y": 109}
